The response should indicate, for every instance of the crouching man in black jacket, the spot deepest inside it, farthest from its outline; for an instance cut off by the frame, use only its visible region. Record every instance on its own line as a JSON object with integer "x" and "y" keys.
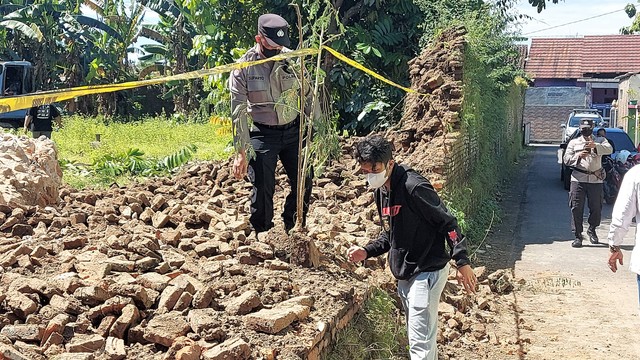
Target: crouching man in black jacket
{"x": 416, "y": 225}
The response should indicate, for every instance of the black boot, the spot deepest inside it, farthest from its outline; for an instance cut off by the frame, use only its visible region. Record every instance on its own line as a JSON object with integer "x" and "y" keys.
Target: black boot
{"x": 593, "y": 237}
{"x": 577, "y": 243}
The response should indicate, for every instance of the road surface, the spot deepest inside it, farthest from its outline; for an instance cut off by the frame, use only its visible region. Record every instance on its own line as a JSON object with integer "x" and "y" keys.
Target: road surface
{"x": 572, "y": 306}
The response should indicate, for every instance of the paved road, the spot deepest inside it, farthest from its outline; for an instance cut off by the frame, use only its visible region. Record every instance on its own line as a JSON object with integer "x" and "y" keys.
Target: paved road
{"x": 578, "y": 308}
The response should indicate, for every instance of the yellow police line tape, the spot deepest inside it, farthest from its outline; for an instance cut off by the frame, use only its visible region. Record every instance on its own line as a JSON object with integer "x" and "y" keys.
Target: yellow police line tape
{"x": 13, "y": 103}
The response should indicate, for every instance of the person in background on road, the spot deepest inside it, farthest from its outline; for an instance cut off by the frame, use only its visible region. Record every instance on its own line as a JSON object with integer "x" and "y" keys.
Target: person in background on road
{"x": 416, "y": 228}
{"x": 39, "y": 120}
{"x": 274, "y": 129}
{"x": 584, "y": 157}
{"x": 602, "y": 132}
{"x": 626, "y": 207}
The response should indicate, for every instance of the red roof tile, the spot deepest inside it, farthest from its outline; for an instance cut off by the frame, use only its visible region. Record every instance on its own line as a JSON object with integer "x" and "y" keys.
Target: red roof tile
{"x": 572, "y": 58}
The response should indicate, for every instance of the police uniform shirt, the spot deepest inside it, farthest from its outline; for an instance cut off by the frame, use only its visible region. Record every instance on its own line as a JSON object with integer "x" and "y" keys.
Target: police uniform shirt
{"x": 591, "y": 164}
{"x": 267, "y": 92}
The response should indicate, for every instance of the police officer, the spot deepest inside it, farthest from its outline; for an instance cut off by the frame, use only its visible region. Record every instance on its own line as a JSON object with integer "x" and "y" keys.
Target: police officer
{"x": 39, "y": 120}
{"x": 584, "y": 156}
{"x": 268, "y": 94}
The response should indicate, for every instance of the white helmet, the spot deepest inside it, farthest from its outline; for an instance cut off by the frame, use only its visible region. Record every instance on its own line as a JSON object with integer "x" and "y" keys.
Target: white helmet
{"x": 622, "y": 156}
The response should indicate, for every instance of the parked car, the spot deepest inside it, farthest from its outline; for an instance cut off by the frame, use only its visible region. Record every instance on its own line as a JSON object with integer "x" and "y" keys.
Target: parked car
{"x": 574, "y": 119}
{"x": 619, "y": 139}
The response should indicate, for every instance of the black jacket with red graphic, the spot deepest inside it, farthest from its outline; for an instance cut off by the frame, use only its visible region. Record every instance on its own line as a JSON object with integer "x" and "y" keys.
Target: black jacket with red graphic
{"x": 419, "y": 225}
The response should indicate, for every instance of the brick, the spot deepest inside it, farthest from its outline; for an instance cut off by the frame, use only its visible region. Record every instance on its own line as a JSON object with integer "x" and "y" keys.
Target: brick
{"x": 74, "y": 356}
{"x": 261, "y": 250}
{"x": 184, "y": 348}
{"x": 111, "y": 306}
{"x": 155, "y": 281}
{"x": 164, "y": 328}
{"x": 143, "y": 297}
{"x": 78, "y": 218}
{"x": 207, "y": 249}
{"x": 159, "y": 220}
{"x": 170, "y": 237}
{"x": 183, "y": 302}
{"x": 235, "y": 348}
{"x": 38, "y": 252}
{"x": 85, "y": 343}
{"x": 206, "y": 323}
{"x": 158, "y": 202}
{"x": 74, "y": 243}
{"x": 20, "y": 304}
{"x": 270, "y": 321}
{"x": 70, "y": 305}
{"x": 244, "y": 303}
{"x": 277, "y": 264}
{"x": 130, "y": 316}
{"x": 203, "y": 297}
{"x": 23, "y": 332}
{"x": 91, "y": 295}
{"x": 33, "y": 286}
{"x": 105, "y": 325}
{"x": 115, "y": 349}
{"x": 92, "y": 270}
{"x": 169, "y": 298}
{"x": 146, "y": 263}
{"x": 8, "y": 352}
{"x": 121, "y": 265}
{"x": 187, "y": 282}
{"x": 68, "y": 282}
{"x": 55, "y": 326}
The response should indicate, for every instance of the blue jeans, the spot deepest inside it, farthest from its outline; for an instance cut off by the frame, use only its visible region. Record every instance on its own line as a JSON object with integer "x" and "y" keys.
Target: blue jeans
{"x": 420, "y": 297}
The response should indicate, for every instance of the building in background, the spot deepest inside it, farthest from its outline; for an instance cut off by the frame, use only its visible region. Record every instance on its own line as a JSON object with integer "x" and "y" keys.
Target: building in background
{"x": 589, "y": 65}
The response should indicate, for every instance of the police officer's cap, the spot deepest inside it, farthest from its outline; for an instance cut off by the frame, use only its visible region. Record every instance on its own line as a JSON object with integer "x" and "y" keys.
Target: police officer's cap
{"x": 586, "y": 123}
{"x": 275, "y": 29}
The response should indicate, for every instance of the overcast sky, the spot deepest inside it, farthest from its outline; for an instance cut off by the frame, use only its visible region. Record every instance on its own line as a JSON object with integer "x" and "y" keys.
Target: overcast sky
{"x": 573, "y": 10}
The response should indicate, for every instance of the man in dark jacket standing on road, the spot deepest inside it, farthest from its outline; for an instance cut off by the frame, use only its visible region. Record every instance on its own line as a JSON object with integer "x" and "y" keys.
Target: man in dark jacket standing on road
{"x": 416, "y": 228}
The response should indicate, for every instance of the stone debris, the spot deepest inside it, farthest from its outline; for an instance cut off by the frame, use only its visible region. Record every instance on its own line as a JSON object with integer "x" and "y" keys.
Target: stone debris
{"x": 170, "y": 269}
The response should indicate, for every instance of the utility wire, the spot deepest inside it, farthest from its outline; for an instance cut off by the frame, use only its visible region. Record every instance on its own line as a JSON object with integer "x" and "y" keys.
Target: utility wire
{"x": 573, "y": 22}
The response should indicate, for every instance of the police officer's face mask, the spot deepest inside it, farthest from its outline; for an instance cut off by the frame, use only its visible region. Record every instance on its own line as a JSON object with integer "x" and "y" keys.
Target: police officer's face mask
{"x": 268, "y": 52}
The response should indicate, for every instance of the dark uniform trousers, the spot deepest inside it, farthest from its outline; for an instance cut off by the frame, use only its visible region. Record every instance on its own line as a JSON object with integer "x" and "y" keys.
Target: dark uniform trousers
{"x": 271, "y": 143}
{"x": 577, "y": 193}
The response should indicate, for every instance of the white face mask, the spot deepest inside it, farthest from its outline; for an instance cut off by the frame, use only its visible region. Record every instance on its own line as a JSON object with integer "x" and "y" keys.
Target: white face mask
{"x": 377, "y": 180}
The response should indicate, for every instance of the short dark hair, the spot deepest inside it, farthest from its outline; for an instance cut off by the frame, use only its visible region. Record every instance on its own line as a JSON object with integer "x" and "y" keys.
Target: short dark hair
{"x": 373, "y": 149}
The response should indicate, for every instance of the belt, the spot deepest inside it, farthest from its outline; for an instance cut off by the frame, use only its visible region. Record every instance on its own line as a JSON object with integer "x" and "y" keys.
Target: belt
{"x": 586, "y": 172}
{"x": 280, "y": 127}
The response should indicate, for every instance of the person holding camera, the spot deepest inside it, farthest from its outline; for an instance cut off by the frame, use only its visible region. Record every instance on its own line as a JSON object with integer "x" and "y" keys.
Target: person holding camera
{"x": 584, "y": 157}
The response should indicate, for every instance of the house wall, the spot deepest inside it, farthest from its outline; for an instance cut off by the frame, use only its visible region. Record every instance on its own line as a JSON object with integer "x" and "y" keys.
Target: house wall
{"x": 632, "y": 82}
{"x": 548, "y": 107}
{"x": 555, "y": 82}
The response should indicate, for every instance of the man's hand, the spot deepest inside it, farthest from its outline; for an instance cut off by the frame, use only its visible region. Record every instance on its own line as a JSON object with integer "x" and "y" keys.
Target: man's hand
{"x": 240, "y": 165}
{"x": 467, "y": 279}
{"x": 590, "y": 145}
{"x": 613, "y": 258}
{"x": 585, "y": 153}
{"x": 356, "y": 254}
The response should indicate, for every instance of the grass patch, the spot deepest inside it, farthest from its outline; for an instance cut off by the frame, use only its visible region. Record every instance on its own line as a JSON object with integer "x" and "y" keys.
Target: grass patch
{"x": 376, "y": 332}
{"x": 154, "y": 137}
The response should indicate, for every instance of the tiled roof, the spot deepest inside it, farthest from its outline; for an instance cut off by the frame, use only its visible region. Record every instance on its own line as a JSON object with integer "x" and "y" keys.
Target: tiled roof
{"x": 572, "y": 58}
